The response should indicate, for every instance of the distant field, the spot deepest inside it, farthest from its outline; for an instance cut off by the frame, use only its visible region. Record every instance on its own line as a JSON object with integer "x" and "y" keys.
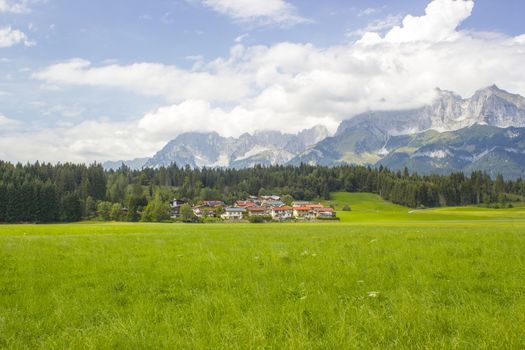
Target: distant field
{"x": 371, "y": 208}
{"x": 382, "y": 278}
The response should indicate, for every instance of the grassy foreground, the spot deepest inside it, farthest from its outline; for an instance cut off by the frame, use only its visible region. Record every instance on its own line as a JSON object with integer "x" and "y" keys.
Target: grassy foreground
{"x": 406, "y": 282}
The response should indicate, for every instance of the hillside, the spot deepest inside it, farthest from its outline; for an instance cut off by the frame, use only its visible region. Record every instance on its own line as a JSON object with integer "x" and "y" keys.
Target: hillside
{"x": 371, "y": 208}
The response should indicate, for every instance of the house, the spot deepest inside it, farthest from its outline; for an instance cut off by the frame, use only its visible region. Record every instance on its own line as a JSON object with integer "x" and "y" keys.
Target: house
{"x": 245, "y": 204}
{"x": 304, "y": 213}
{"x": 271, "y": 198}
{"x": 314, "y": 206}
{"x": 272, "y": 203}
{"x": 213, "y": 204}
{"x": 203, "y": 211}
{"x": 175, "y": 206}
{"x": 258, "y": 211}
{"x": 326, "y": 213}
{"x": 282, "y": 213}
{"x": 233, "y": 214}
{"x": 300, "y": 203}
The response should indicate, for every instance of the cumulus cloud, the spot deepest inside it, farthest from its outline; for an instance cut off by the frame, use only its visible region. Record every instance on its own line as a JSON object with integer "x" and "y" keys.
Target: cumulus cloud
{"x": 377, "y": 26}
{"x": 13, "y": 6}
{"x": 150, "y": 79}
{"x": 165, "y": 122}
{"x": 291, "y": 86}
{"x": 10, "y": 37}
{"x": 439, "y": 23}
{"x": 93, "y": 140}
{"x": 262, "y": 12}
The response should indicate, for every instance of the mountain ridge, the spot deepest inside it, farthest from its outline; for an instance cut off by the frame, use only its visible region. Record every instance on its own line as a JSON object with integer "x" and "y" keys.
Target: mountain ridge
{"x": 369, "y": 138}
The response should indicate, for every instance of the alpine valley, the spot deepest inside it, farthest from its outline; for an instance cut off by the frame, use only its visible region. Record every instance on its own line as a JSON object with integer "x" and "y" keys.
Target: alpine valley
{"x": 485, "y": 132}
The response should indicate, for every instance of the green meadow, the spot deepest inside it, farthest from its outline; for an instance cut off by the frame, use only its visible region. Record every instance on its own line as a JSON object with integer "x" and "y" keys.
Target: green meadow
{"x": 384, "y": 277}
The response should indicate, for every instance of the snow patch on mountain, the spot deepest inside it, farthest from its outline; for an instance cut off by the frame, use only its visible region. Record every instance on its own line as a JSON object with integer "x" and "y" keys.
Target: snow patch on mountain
{"x": 437, "y": 154}
{"x": 212, "y": 150}
{"x": 253, "y": 152}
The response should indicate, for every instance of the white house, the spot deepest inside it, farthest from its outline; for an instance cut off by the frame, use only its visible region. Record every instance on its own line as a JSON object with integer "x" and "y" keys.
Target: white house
{"x": 203, "y": 210}
{"x": 233, "y": 214}
{"x": 326, "y": 213}
{"x": 305, "y": 213}
{"x": 175, "y": 206}
{"x": 258, "y": 211}
{"x": 282, "y": 213}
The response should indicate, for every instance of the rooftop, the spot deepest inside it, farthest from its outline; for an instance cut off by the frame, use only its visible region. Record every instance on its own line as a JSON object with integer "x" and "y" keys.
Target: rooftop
{"x": 257, "y": 209}
{"x": 235, "y": 210}
{"x": 282, "y": 208}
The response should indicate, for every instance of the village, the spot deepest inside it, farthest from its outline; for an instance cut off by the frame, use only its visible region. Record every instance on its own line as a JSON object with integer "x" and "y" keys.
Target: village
{"x": 263, "y": 207}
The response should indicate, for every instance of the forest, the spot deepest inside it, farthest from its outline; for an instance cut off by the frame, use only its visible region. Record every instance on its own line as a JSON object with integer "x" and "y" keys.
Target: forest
{"x": 44, "y": 193}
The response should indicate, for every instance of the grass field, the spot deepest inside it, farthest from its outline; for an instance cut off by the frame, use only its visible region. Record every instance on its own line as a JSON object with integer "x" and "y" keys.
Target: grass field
{"x": 368, "y": 207}
{"x": 384, "y": 277}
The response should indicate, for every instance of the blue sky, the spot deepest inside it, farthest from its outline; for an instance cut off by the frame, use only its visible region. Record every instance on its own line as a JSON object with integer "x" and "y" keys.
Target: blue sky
{"x": 91, "y": 80}
{"x": 168, "y": 31}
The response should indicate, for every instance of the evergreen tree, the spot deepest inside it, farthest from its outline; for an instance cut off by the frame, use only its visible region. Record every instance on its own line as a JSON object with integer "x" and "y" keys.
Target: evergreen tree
{"x": 71, "y": 209}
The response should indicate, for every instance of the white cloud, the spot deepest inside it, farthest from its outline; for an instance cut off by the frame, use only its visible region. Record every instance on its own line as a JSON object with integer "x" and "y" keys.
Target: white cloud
{"x": 10, "y": 37}
{"x": 7, "y": 122}
{"x": 84, "y": 142}
{"x": 13, "y": 6}
{"x": 287, "y": 86}
{"x": 377, "y": 25}
{"x": 150, "y": 79}
{"x": 8, "y": 125}
{"x": 368, "y": 11}
{"x": 262, "y": 12}
{"x": 439, "y": 23}
{"x": 241, "y": 38}
{"x": 64, "y": 111}
{"x": 195, "y": 58}
{"x": 165, "y": 122}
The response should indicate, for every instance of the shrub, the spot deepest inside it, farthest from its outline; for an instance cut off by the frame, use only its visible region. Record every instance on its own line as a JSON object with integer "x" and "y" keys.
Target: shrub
{"x": 210, "y": 220}
{"x": 104, "y": 210}
{"x": 156, "y": 210}
{"x": 347, "y": 208}
{"x": 186, "y": 213}
{"x": 116, "y": 213}
{"x": 259, "y": 219}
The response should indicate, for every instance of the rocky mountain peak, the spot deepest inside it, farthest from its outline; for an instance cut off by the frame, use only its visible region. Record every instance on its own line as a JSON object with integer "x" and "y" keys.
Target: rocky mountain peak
{"x": 494, "y": 89}
{"x": 264, "y": 147}
{"x": 488, "y": 106}
{"x": 314, "y": 135}
{"x": 374, "y": 136}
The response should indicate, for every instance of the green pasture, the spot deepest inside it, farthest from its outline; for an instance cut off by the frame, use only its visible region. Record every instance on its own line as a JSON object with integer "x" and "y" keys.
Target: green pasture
{"x": 383, "y": 278}
{"x": 366, "y": 207}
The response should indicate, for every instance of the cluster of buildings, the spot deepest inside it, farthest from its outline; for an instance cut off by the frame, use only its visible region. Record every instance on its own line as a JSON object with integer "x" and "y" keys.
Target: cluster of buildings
{"x": 262, "y": 206}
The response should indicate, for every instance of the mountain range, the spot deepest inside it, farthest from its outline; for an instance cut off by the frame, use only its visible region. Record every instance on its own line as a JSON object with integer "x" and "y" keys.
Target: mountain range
{"x": 213, "y": 150}
{"x": 484, "y": 132}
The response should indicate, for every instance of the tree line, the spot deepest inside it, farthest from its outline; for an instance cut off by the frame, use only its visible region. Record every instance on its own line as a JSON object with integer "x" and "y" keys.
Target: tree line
{"x": 43, "y": 192}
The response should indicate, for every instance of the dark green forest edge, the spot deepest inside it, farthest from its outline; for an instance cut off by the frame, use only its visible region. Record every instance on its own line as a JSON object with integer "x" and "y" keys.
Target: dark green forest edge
{"x": 45, "y": 193}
